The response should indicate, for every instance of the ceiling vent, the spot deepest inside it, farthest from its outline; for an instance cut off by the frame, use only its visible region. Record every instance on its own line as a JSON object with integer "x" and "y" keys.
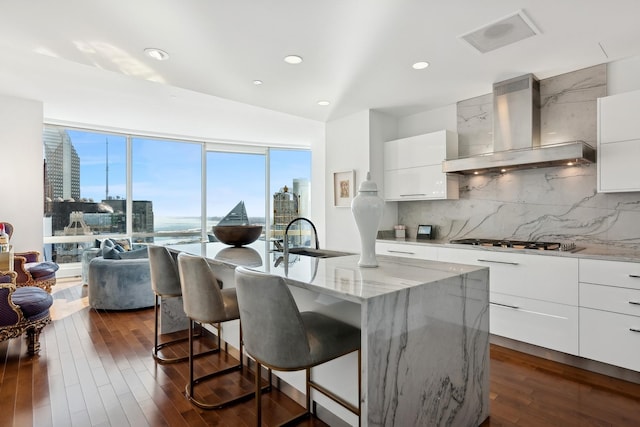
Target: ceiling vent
{"x": 503, "y": 32}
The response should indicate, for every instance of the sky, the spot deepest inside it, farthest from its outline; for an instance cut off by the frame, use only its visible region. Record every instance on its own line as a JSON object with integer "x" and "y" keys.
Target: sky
{"x": 168, "y": 173}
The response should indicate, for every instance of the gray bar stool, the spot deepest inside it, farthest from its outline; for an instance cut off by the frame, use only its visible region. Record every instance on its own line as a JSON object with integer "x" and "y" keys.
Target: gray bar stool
{"x": 205, "y": 302}
{"x": 166, "y": 284}
{"x": 278, "y": 336}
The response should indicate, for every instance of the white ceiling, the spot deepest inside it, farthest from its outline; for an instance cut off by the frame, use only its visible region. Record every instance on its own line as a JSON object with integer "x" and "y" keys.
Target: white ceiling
{"x": 357, "y": 53}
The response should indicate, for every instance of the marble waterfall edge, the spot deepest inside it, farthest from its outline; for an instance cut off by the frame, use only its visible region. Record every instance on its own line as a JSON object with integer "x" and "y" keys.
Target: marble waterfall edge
{"x": 446, "y": 345}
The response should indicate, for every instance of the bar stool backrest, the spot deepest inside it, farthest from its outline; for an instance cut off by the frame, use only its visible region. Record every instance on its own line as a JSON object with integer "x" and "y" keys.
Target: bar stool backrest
{"x": 273, "y": 329}
{"x": 164, "y": 272}
{"x": 201, "y": 296}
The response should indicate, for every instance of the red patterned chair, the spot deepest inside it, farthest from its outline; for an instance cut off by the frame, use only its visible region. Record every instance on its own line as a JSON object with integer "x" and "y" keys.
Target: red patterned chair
{"x": 23, "y": 310}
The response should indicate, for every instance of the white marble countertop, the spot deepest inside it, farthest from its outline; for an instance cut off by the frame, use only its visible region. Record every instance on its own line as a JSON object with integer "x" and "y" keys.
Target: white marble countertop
{"x": 584, "y": 250}
{"x": 339, "y": 276}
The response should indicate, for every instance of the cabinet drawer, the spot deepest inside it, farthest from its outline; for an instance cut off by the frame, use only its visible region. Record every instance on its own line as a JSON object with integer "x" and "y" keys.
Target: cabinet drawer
{"x": 610, "y": 298}
{"x": 612, "y": 273}
{"x": 547, "y": 278}
{"x": 541, "y": 323}
{"x": 407, "y": 251}
{"x": 610, "y": 338}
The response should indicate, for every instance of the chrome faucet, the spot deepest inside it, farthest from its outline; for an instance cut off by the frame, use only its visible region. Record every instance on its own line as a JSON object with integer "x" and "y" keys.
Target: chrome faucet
{"x": 286, "y": 234}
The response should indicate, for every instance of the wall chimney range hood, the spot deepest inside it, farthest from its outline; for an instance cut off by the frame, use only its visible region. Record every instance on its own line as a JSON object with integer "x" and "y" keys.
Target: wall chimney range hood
{"x": 516, "y": 135}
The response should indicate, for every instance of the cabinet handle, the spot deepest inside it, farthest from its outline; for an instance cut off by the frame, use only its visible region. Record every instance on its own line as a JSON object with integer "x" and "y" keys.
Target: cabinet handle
{"x": 634, "y": 329}
{"x": 634, "y": 302}
{"x": 414, "y": 194}
{"x": 400, "y": 252}
{"x": 515, "y": 307}
{"x": 498, "y": 262}
{"x": 635, "y": 276}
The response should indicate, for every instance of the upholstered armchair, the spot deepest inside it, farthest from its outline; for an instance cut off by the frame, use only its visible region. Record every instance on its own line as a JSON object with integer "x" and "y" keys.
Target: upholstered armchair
{"x": 33, "y": 272}
{"x": 23, "y": 310}
{"x": 30, "y": 269}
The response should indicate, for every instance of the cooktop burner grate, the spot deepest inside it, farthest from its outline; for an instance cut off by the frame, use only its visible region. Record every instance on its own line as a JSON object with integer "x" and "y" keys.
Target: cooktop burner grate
{"x": 517, "y": 244}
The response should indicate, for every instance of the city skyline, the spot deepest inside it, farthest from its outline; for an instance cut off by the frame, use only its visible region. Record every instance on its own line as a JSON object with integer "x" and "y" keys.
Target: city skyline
{"x": 164, "y": 173}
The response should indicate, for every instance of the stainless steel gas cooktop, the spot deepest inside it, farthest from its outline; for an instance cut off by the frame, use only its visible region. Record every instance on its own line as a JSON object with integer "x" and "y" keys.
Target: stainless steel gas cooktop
{"x": 518, "y": 244}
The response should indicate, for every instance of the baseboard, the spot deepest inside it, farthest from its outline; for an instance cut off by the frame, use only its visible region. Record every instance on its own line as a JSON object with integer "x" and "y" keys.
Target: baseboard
{"x": 568, "y": 359}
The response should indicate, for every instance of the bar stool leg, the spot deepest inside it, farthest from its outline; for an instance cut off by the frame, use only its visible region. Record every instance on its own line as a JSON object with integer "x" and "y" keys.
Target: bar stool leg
{"x": 258, "y": 395}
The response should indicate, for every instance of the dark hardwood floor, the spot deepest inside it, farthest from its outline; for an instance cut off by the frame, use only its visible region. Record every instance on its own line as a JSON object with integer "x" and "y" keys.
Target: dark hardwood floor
{"x": 95, "y": 369}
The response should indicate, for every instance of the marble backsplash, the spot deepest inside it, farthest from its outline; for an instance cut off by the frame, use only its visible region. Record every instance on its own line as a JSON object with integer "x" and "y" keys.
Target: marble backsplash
{"x": 556, "y": 204}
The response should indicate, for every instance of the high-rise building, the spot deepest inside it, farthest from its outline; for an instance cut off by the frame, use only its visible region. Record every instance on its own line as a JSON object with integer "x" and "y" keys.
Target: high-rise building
{"x": 62, "y": 166}
{"x": 285, "y": 209}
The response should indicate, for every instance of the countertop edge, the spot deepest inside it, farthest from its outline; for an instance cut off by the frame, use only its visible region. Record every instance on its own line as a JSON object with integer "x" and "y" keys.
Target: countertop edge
{"x": 584, "y": 251}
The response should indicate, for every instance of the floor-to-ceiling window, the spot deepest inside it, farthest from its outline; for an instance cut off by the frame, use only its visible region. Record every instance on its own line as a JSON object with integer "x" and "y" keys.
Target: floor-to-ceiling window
{"x": 90, "y": 177}
{"x": 84, "y": 188}
{"x": 166, "y": 189}
{"x": 235, "y": 180}
{"x": 290, "y": 188}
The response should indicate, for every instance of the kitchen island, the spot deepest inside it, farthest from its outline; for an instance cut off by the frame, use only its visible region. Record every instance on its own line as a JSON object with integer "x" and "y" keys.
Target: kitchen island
{"x": 425, "y": 332}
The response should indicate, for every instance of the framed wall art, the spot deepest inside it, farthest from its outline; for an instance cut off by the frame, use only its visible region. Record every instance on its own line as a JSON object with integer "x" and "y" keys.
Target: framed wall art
{"x": 343, "y": 188}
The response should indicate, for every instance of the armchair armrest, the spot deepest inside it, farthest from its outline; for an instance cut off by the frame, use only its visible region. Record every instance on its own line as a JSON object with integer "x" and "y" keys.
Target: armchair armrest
{"x": 34, "y": 273}
{"x": 10, "y": 313}
{"x": 20, "y": 267}
{"x": 30, "y": 256}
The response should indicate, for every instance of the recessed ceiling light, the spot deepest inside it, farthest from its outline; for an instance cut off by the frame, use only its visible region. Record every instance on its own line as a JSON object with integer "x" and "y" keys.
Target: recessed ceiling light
{"x": 420, "y": 65}
{"x": 257, "y": 82}
{"x": 155, "y": 53}
{"x": 293, "y": 59}
{"x": 323, "y": 103}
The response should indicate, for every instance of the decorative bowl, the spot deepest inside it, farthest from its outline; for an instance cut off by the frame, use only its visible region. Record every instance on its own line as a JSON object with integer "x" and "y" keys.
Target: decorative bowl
{"x": 237, "y": 235}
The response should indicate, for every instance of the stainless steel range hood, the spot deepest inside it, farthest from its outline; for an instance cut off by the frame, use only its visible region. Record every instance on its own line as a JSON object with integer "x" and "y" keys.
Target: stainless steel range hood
{"x": 516, "y": 135}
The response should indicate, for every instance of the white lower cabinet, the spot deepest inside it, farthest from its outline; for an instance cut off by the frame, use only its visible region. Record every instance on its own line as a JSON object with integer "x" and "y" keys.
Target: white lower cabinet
{"x": 611, "y": 338}
{"x": 544, "y": 277}
{"x": 540, "y": 323}
{"x": 534, "y": 298}
{"x": 584, "y": 307}
{"x": 610, "y": 312}
{"x": 407, "y": 250}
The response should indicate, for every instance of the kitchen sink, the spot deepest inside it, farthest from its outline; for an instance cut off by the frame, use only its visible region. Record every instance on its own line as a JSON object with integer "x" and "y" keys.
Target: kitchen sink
{"x": 317, "y": 253}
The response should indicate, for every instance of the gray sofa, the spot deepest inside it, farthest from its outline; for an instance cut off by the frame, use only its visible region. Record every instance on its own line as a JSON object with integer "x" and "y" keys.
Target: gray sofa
{"x": 120, "y": 284}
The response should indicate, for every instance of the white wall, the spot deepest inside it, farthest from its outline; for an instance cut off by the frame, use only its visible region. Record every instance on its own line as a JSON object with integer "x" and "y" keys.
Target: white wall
{"x": 347, "y": 148}
{"x": 382, "y": 128}
{"x": 429, "y": 121}
{"x": 355, "y": 143}
{"x": 21, "y": 173}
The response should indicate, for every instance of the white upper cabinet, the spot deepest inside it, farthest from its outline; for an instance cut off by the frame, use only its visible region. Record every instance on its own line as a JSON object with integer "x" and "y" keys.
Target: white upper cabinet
{"x": 619, "y": 142}
{"x": 413, "y": 167}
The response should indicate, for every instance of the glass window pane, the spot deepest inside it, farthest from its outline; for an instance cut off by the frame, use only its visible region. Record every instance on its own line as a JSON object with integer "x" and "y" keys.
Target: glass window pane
{"x": 166, "y": 187}
{"x": 290, "y": 181}
{"x": 233, "y": 178}
{"x": 85, "y": 181}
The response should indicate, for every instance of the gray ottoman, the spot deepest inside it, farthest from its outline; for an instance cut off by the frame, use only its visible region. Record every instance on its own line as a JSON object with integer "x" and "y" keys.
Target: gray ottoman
{"x": 120, "y": 284}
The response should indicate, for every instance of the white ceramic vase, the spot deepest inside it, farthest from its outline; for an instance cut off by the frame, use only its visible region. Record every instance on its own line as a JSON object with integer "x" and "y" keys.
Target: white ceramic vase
{"x": 367, "y": 208}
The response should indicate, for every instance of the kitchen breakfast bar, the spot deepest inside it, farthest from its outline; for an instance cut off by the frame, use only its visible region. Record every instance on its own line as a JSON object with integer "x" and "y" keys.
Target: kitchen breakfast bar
{"x": 425, "y": 332}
